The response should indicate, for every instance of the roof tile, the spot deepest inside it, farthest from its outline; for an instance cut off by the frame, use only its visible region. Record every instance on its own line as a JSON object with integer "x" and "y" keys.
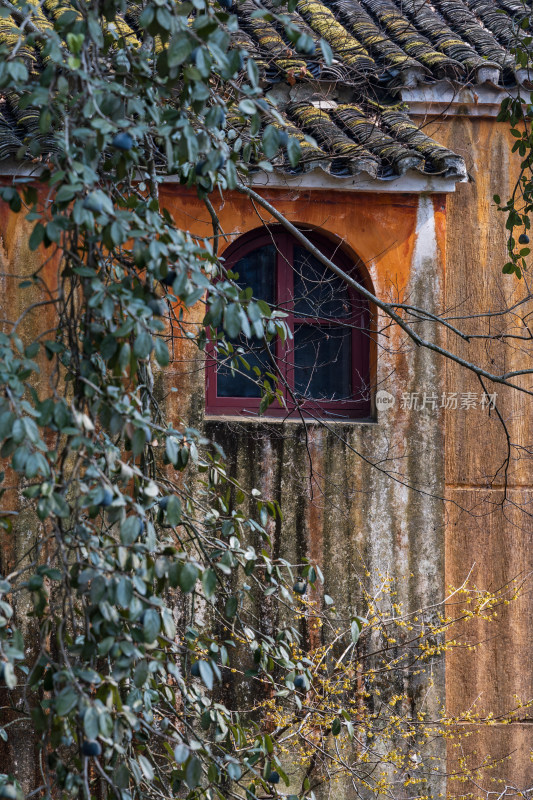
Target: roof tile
{"x": 378, "y": 45}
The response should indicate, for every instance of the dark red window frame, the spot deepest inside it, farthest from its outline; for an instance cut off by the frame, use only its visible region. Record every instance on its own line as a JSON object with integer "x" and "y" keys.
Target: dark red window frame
{"x": 359, "y": 406}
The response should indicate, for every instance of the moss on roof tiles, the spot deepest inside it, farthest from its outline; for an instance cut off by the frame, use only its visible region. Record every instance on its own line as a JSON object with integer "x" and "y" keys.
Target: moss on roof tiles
{"x": 438, "y": 158}
{"x": 39, "y": 18}
{"x": 323, "y": 21}
{"x": 318, "y": 123}
{"x": 55, "y": 8}
{"x": 270, "y": 41}
{"x": 409, "y": 37}
{"x": 515, "y": 7}
{"x": 241, "y": 39}
{"x": 367, "y": 132}
{"x": 10, "y": 35}
{"x": 377, "y": 42}
{"x": 467, "y": 24}
{"x": 311, "y": 152}
{"x": 492, "y": 17}
{"x": 433, "y": 25}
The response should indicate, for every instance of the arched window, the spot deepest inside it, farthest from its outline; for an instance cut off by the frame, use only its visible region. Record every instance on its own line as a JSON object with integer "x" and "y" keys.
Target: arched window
{"x": 324, "y": 369}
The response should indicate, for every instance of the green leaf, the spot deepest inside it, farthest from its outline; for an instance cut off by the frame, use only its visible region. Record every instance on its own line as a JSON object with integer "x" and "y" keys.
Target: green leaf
{"x": 146, "y": 768}
{"x": 336, "y": 727}
{"x": 181, "y": 753}
{"x": 231, "y": 607}
{"x": 36, "y": 237}
{"x": 232, "y": 320}
{"x": 138, "y": 441}
{"x": 130, "y": 530}
{"x": 141, "y": 673}
{"x": 66, "y": 701}
{"x": 124, "y": 592}
{"x": 188, "y": 577}
{"x": 151, "y": 625}
{"x": 234, "y": 771}
{"x": 356, "y": 627}
{"x": 206, "y": 673}
{"x": 294, "y": 151}
{"x": 247, "y": 107}
{"x": 173, "y": 510}
{"x": 193, "y": 772}
{"x": 143, "y": 345}
{"x": 179, "y": 49}
{"x": 209, "y": 582}
{"x": 9, "y": 677}
{"x": 172, "y": 449}
{"x": 270, "y": 141}
{"x": 90, "y": 723}
{"x": 355, "y": 631}
{"x": 326, "y": 52}
{"x": 161, "y": 352}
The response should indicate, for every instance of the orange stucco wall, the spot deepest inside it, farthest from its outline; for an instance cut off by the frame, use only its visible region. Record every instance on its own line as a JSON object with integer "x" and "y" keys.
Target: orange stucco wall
{"x": 489, "y": 516}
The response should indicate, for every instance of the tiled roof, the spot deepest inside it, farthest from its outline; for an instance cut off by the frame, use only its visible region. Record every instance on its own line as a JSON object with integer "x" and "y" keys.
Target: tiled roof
{"x": 347, "y": 114}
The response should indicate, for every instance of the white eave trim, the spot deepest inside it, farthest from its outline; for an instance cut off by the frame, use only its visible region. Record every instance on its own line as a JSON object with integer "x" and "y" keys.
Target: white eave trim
{"x": 445, "y": 98}
{"x": 412, "y": 181}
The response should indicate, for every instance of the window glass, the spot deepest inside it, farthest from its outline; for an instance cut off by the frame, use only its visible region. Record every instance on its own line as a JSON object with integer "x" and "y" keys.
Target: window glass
{"x": 317, "y": 290}
{"x": 322, "y": 362}
{"x": 258, "y": 270}
{"x": 242, "y": 382}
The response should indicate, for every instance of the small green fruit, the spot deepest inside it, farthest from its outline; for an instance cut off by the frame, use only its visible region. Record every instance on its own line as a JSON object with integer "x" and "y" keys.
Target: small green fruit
{"x": 169, "y": 278}
{"x": 91, "y": 747}
{"x": 122, "y": 141}
{"x": 523, "y": 238}
{"x": 299, "y": 682}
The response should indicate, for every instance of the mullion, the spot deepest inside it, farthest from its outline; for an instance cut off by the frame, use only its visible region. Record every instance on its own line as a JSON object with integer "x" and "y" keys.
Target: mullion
{"x": 285, "y": 290}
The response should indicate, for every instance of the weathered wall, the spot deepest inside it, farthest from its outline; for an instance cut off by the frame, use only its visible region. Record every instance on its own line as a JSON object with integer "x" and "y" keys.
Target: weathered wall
{"x": 489, "y": 528}
{"x": 360, "y": 496}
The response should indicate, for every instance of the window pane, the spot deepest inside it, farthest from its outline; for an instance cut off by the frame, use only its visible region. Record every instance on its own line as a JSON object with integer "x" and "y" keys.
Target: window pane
{"x": 322, "y": 362}
{"x": 317, "y": 291}
{"x": 258, "y": 270}
{"x": 242, "y": 385}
